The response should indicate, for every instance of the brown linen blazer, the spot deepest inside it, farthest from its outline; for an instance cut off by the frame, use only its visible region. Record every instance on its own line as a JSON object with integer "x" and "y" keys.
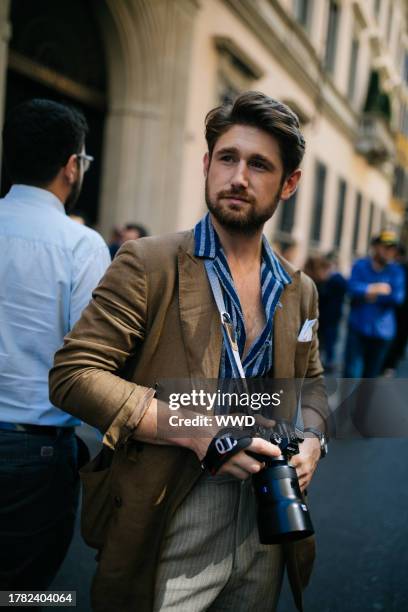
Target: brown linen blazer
{"x": 153, "y": 317}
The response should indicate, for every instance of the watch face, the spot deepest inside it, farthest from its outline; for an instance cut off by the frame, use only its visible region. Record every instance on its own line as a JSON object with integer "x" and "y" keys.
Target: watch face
{"x": 323, "y": 446}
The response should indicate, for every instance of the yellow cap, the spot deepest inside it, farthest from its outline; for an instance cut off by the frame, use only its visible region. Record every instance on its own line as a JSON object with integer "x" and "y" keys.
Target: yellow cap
{"x": 387, "y": 237}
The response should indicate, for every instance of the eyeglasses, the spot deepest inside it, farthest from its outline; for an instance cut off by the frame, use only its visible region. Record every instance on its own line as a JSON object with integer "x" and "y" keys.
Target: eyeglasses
{"x": 88, "y": 159}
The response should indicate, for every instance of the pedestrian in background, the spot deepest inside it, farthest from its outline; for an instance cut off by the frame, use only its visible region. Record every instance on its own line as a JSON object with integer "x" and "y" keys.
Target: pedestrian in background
{"x": 289, "y": 251}
{"x": 115, "y": 240}
{"x": 398, "y": 345}
{"x": 130, "y": 231}
{"x": 332, "y": 290}
{"x": 80, "y": 217}
{"x": 133, "y": 231}
{"x": 317, "y": 268}
{"x": 48, "y": 268}
{"x": 376, "y": 287}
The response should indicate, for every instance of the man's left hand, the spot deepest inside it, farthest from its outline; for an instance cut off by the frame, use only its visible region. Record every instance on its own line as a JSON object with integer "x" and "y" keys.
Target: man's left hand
{"x": 306, "y": 461}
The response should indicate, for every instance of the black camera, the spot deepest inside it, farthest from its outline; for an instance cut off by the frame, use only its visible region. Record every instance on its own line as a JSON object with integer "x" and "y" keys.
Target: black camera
{"x": 282, "y": 514}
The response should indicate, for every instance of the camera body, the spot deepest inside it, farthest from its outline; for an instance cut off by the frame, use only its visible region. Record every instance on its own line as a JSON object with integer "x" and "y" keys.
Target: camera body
{"x": 282, "y": 514}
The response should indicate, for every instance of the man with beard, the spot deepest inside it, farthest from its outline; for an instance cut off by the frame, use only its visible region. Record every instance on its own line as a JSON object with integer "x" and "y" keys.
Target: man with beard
{"x": 172, "y": 536}
{"x": 49, "y": 266}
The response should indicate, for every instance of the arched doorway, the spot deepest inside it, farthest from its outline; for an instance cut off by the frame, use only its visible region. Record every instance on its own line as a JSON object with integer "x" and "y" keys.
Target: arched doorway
{"x": 56, "y": 52}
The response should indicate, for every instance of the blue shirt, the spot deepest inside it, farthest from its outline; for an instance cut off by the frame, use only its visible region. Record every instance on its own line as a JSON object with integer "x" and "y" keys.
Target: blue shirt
{"x": 375, "y": 319}
{"x": 258, "y": 360}
{"x": 49, "y": 266}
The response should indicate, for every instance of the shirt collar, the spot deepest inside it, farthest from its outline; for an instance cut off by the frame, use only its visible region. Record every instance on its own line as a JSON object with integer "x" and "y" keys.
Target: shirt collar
{"x": 34, "y": 195}
{"x": 207, "y": 244}
{"x": 273, "y": 263}
{"x": 206, "y": 241}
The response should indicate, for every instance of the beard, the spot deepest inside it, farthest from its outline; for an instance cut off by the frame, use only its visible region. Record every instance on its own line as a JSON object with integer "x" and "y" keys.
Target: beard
{"x": 72, "y": 199}
{"x": 244, "y": 220}
{"x": 382, "y": 260}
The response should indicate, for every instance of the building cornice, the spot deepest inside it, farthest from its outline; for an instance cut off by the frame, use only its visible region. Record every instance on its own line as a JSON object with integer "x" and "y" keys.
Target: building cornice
{"x": 288, "y": 43}
{"x": 232, "y": 48}
{"x": 362, "y": 13}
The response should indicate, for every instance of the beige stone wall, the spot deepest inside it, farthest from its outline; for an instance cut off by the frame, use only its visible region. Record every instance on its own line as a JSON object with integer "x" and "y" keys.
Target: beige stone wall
{"x": 163, "y": 77}
{"x": 329, "y": 139}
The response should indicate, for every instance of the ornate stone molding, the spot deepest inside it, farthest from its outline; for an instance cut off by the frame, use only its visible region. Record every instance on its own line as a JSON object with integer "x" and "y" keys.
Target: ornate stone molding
{"x": 288, "y": 43}
{"x": 228, "y": 45}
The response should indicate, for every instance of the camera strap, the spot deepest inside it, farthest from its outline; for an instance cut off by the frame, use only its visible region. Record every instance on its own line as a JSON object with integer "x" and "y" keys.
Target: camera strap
{"x": 229, "y": 335}
{"x": 223, "y": 446}
{"x": 228, "y": 330}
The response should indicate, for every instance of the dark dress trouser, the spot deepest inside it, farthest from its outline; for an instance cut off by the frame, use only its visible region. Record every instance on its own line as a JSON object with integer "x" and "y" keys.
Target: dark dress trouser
{"x": 39, "y": 491}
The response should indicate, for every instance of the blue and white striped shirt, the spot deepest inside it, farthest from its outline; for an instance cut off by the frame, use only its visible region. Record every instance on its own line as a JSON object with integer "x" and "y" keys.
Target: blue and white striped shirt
{"x": 258, "y": 360}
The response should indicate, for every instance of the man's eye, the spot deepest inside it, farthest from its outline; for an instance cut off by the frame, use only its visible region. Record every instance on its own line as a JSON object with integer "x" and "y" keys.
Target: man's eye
{"x": 227, "y": 158}
{"x": 258, "y": 165}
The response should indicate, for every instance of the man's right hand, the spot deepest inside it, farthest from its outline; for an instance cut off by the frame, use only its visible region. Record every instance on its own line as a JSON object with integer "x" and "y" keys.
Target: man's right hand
{"x": 243, "y": 465}
{"x": 375, "y": 289}
{"x": 240, "y": 465}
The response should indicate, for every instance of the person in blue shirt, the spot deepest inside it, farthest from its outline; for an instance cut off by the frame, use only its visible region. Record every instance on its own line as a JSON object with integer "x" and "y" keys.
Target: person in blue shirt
{"x": 376, "y": 287}
{"x": 398, "y": 345}
{"x": 49, "y": 266}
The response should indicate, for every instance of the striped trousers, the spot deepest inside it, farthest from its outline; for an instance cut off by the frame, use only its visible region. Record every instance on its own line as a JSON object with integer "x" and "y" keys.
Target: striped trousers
{"x": 212, "y": 559}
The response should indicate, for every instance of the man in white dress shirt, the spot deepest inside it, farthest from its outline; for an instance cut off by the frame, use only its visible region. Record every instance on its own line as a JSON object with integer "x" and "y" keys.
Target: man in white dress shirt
{"x": 49, "y": 266}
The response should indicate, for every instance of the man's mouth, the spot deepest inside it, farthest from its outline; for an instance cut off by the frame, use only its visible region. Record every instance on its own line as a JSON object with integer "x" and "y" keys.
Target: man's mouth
{"x": 235, "y": 199}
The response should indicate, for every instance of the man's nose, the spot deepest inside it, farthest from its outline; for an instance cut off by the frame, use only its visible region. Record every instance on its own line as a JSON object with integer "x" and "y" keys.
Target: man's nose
{"x": 239, "y": 180}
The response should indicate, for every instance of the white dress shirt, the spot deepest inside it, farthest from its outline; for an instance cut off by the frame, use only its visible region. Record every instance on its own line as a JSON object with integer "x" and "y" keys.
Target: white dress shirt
{"x": 49, "y": 266}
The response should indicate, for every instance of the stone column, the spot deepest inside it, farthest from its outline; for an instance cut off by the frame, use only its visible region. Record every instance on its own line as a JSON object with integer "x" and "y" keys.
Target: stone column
{"x": 127, "y": 181}
{"x": 148, "y": 55}
{"x": 178, "y": 22}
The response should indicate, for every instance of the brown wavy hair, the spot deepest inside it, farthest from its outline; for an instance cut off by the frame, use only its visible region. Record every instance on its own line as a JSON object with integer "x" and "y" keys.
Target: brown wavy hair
{"x": 256, "y": 109}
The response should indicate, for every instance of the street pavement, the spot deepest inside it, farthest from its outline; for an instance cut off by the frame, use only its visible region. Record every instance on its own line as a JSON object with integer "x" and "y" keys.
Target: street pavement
{"x": 359, "y": 506}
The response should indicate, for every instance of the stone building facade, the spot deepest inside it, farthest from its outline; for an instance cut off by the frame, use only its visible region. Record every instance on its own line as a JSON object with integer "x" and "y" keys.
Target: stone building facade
{"x": 146, "y": 72}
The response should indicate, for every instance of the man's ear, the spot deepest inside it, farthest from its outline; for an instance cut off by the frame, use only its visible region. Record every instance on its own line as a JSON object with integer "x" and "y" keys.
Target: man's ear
{"x": 71, "y": 169}
{"x": 206, "y": 164}
{"x": 290, "y": 184}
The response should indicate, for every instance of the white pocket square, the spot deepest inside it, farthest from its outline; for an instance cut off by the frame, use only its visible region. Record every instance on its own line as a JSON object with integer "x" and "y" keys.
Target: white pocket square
{"x": 306, "y": 333}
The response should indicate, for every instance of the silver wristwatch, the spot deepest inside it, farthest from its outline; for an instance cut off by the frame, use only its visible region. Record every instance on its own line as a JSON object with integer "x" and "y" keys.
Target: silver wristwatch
{"x": 322, "y": 439}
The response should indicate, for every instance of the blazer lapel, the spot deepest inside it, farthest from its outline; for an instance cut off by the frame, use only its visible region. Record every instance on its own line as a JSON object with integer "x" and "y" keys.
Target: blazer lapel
{"x": 200, "y": 322}
{"x": 285, "y": 330}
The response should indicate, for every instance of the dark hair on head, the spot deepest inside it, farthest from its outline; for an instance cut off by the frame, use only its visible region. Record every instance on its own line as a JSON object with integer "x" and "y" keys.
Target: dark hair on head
{"x": 332, "y": 256}
{"x": 39, "y": 136}
{"x": 137, "y": 228}
{"x": 255, "y": 109}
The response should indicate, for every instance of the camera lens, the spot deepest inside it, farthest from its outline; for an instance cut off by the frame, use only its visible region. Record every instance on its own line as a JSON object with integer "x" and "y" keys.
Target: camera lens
{"x": 282, "y": 514}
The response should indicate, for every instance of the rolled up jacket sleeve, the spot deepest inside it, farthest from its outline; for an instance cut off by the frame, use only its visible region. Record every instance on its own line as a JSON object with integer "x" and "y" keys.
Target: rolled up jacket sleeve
{"x": 84, "y": 380}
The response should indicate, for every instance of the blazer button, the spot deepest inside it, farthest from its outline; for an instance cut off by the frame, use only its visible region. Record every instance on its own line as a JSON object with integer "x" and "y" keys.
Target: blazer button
{"x": 117, "y": 501}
